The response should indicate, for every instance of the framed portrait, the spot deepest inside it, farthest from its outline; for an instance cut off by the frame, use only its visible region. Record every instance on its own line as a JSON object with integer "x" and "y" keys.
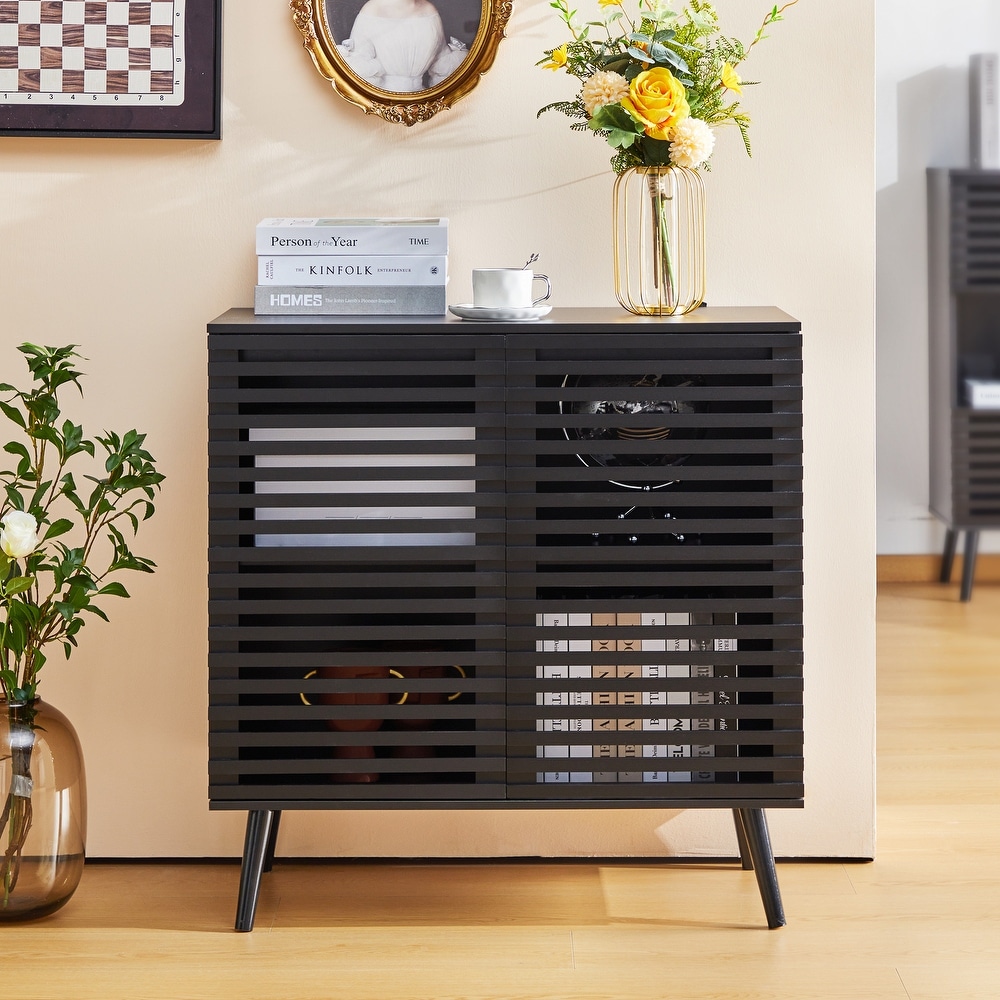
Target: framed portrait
{"x": 133, "y": 68}
{"x": 404, "y": 60}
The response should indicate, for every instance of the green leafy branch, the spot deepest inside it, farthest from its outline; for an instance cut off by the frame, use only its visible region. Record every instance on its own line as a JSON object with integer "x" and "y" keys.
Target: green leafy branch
{"x": 45, "y": 593}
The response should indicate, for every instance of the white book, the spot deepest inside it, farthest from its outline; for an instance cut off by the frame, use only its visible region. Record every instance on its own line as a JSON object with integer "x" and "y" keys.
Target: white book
{"x": 983, "y": 394}
{"x": 289, "y": 487}
{"x": 984, "y": 111}
{"x": 352, "y": 236}
{"x": 352, "y": 269}
{"x": 349, "y": 300}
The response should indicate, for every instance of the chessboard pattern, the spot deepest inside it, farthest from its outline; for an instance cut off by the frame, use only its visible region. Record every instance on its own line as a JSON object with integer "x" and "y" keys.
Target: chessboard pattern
{"x": 89, "y": 47}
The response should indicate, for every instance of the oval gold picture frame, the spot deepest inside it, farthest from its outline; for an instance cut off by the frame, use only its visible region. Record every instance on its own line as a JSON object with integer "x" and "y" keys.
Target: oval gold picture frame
{"x": 403, "y": 60}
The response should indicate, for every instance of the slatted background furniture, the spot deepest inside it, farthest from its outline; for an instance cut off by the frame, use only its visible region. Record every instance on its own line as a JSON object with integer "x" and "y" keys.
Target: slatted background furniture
{"x": 497, "y": 566}
{"x": 964, "y": 257}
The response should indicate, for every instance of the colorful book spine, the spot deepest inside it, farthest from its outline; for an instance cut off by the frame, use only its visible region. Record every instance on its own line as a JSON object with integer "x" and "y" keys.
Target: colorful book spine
{"x": 655, "y": 762}
{"x": 675, "y": 746}
{"x": 350, "y": 300}
{"x": 584, "y": 699}
{"x": 726, "y": 668}
{"x": 352, "y": 236}
{"x": 679, "y": 726}
{"x": 605, "y": 723}
{"x": 629, "y": 748}
{"x": 552, "y": 749}
{"x": 351, "y": 269}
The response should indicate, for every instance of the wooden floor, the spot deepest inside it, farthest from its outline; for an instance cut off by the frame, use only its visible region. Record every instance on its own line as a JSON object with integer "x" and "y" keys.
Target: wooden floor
{"x": 921, "y": 923}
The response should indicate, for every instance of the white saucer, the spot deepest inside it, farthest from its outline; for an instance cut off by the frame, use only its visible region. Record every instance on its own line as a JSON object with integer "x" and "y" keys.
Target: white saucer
{"x": 501, "y": 314}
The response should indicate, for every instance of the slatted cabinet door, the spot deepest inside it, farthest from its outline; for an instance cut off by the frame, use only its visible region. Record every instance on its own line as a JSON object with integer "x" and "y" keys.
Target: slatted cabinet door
{"x": 357, "y": 544}
{"x": 655, "y": 566}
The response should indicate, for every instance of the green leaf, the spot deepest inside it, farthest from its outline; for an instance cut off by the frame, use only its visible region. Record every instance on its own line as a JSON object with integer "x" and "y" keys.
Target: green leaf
{"x": 621, "y": 140}
{"x": 656, "y": 151}
{"x": 57, "y": 528}
{"x": 614, "y": 116}
{"x": 643, "y": 57}
{"x": 66, "y": 609}
{"x": 16, "y": 448}
{"x": 115, "y": 589}
{"x": 12, "y": 413}
{"x": 18, "y": 585}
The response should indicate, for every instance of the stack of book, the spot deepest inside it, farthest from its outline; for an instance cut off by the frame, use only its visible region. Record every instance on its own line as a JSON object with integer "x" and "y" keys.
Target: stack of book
{"x": 343, "y": 267}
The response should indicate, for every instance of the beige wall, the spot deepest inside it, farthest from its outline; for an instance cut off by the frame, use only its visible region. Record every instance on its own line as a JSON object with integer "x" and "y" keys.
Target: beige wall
{"x": 129, "y": 247}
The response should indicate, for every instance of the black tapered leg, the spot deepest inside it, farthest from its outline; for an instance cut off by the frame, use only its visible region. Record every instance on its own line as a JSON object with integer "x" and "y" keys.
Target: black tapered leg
{"x": 741, "y": 839}
{"x": 948, "y": 556}
{"x": 969, "y": 563}
{"x": 259, "y": 822}
{"x": 759, "y": 845}
{"x": 272, "y": 841}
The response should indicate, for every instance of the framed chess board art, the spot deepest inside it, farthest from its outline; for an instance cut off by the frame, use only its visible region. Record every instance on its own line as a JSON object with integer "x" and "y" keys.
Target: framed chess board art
{"x": 134, "y": 68}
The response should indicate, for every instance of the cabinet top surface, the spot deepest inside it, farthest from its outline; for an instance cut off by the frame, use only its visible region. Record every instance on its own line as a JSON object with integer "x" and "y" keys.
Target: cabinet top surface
{"x": 728, "y": 319}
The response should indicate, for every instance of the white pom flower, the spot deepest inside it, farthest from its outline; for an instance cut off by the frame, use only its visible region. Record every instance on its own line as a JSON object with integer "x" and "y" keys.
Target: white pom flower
{"x": 691, "y": 143}
{"x": 603, "y": 88}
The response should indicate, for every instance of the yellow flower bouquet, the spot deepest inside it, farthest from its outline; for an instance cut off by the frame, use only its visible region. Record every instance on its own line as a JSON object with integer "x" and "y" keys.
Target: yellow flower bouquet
{"x": 655, "y": 85}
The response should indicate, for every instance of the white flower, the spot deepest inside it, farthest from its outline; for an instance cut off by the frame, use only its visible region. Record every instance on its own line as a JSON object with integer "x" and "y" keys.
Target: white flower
{"x": 603, "y": 88}
{"x": 691, "y": 143}
{"x": 19, "y": 536}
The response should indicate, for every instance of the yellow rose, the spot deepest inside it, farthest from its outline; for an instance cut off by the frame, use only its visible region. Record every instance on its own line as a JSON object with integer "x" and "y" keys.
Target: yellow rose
{"x": 557, "y": 58}
{"x": 609, "y": 3}
{"x": 658, "y": 100}
{"x": 731, "y": 79}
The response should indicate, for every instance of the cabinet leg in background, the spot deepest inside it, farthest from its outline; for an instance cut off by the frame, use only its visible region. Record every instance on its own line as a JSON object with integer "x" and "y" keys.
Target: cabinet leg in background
{"x": 255, "y": 849}
{"x": 969, "y": 563}
{"x": 759, "y": 845}
{"x": 948, "y": 556}
{"x": 272, "y": 841}
{"x": 741, "y": 839}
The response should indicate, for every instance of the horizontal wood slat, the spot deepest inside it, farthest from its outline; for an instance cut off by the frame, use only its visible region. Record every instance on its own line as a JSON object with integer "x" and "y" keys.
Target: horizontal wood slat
{"x": 975, "y": 234}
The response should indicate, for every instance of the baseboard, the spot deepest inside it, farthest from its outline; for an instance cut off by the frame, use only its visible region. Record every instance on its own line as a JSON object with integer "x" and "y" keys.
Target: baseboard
{"x": 927, "y": 568}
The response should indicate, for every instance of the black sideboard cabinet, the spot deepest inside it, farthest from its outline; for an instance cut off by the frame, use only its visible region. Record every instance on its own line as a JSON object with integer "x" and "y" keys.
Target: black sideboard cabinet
{"x": 545, "y": 565}
{"x": 964, "y": 328}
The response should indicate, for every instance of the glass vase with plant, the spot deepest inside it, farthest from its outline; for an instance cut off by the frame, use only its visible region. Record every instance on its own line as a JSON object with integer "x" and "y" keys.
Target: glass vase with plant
{"x": 66, "y": 504}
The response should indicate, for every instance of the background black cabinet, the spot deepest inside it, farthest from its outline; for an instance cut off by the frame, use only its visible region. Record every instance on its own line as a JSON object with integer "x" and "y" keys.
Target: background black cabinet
{"x": 554, "y": 565}
{"x": 964, "y": 282}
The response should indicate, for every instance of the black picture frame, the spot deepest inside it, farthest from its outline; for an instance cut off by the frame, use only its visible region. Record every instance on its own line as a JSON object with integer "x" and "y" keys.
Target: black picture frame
{"x": 197, "y": 116}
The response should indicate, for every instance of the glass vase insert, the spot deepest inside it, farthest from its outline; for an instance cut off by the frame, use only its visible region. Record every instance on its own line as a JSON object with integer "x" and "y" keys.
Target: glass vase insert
{"x": 43, "y": 810}
{"x": 659, "y": 225}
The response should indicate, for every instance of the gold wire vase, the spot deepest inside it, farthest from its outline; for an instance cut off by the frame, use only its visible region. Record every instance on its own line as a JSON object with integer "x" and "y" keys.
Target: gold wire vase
{"x": 659, "y": 226}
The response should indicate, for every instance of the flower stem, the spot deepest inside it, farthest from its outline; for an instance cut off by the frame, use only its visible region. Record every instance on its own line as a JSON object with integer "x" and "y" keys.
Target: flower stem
{"x": 16, "y": 817}
{"x": 664, "y": 272}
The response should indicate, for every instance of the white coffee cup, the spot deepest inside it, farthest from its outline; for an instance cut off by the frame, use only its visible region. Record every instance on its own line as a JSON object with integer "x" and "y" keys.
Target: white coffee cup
{"x": 506, "y": 288}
